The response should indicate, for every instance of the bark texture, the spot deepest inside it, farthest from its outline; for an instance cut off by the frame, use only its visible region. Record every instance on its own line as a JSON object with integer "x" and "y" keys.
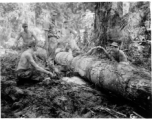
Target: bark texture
{"x": 102, "y": 15}
{"x": 122, "y": 79}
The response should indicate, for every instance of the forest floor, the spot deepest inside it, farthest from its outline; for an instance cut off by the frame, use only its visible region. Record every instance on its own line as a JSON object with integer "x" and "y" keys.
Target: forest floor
{"x": 55, "y": 98}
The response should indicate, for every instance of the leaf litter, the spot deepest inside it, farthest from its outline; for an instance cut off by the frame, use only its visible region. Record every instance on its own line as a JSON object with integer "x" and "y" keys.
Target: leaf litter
{"x": 55, "y": 98}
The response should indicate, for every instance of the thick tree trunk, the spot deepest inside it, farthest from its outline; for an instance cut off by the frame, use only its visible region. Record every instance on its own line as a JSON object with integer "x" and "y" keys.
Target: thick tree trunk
{"x": 102, "y": 14}
{"x": 122, "y": 79}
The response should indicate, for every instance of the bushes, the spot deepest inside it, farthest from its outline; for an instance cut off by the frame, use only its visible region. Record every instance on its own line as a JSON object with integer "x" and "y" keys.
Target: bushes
{"x": 8, "y": 65}
{"x": 140, "y": 58}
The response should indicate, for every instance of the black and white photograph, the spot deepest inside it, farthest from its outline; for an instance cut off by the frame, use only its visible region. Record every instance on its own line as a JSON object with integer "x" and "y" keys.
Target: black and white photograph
{"x": 88, "y": 59}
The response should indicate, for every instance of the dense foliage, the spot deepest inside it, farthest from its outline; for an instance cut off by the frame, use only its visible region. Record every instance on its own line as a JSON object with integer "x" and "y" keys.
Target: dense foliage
{"x": 95, "y": 24}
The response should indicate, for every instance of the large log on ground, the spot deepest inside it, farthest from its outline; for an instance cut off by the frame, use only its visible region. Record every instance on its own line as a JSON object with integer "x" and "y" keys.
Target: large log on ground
{"x": 64, "y": 58}
{"x": 122, "y": 79}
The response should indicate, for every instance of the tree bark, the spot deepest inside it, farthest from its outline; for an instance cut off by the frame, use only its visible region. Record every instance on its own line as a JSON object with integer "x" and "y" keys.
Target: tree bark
{"x": 102, "y": 14}
{"x": 122, "y": 79}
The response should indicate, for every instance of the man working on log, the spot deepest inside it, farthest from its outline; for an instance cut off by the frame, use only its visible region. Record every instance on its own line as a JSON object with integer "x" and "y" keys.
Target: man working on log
{"x": 117, "y": 54}
{"x": 28, "y": 70}
{"x": 27, "y": 36}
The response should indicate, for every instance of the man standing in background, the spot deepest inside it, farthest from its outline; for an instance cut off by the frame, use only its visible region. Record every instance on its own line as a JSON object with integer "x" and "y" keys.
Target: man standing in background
{"x": 69, "y": 40}
{"x": 27, "y": 36}
{"x": 51, "y": 38}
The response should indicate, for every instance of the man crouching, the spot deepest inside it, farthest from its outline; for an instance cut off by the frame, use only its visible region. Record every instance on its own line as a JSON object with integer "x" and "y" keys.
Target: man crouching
{"x": 28, "y": 70}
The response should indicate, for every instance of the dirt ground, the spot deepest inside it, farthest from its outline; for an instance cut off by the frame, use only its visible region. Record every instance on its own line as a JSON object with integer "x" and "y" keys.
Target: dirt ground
{"x": 55, "y": 98}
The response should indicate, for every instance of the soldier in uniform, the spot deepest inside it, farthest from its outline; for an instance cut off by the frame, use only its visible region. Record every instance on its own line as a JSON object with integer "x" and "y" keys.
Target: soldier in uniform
{"x": 51, "y": 37}
{"x": 28, "y": 69}
{"x": 69, "y": 40}
{"x": 117, "y": 54}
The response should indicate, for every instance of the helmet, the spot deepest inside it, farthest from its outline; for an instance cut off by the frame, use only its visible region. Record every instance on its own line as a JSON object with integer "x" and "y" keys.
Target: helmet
{"x": 114, "y": 44}
{"x": 24, "y": 25}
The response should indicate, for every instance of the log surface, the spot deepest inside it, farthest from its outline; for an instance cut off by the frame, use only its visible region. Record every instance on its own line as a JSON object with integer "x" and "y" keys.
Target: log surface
{"x": 122, "y": 79}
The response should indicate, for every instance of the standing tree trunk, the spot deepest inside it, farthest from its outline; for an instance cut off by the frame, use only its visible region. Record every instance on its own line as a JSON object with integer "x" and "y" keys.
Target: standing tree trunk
{"x": 102, "y": 12}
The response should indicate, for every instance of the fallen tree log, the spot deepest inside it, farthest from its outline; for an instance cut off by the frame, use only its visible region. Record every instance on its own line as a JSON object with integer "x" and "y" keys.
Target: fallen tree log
{"x": 122, "y": 79}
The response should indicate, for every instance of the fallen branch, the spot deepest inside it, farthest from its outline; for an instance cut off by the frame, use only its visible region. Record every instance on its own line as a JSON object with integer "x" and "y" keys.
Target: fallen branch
{"x": 112, "y": 112}
{"x": 139, "y": 116}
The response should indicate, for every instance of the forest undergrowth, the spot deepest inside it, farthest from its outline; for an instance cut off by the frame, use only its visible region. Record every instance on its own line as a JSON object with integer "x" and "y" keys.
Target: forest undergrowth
{"x": 55, "y": 98}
